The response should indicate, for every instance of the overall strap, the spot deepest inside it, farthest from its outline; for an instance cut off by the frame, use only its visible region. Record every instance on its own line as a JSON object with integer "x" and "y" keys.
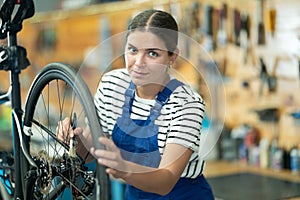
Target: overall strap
{"x": 129, "y": 95}
{"x": 163, "y": 97}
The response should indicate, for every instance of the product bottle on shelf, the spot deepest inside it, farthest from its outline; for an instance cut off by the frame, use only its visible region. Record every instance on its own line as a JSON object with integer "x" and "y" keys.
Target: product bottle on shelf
{"x": 264, "y": 157}
{"x": 273, "y": 151}
{"x": 287, "y": 158}
{"x": 278, "y": 159}
{"x": 294, "y": 158}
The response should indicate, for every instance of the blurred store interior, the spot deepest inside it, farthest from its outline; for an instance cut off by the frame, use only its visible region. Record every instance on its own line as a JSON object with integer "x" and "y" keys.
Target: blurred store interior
{"x": 255, "y": 46}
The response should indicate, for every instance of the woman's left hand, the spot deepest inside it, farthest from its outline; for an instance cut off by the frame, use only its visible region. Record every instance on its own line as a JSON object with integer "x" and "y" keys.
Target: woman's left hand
{"x": 111, "y": 158}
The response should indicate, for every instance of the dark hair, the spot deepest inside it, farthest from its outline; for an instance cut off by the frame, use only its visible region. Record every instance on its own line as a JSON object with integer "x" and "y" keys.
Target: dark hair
{"x": 159, "y": 23}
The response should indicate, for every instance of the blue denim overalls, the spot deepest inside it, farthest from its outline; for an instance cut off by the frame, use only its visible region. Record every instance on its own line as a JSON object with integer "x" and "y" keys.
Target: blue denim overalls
{"x": 137, "y": 141}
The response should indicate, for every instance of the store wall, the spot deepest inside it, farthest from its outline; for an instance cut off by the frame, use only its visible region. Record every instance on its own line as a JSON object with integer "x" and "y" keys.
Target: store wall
{"x": 238, "y": 37}
{"x": 45, "y": 6}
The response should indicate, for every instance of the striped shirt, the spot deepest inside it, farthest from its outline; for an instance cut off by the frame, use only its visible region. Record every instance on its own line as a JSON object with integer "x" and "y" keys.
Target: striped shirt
{"x": 180, "y": 120}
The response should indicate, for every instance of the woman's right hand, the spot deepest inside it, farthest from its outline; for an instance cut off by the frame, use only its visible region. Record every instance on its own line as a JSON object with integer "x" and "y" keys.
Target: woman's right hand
{"x": 64, "y": 131}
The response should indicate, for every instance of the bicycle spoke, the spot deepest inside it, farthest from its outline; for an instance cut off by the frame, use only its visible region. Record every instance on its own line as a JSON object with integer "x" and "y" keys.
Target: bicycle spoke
{"x": 59, "y": 100}
{"x": 44, "y": 128}
{"x": 50, "y": 133}
{"x": 48, "y": 137}
{"x": 55, "y": 97}
{"x": 41, "y": 160}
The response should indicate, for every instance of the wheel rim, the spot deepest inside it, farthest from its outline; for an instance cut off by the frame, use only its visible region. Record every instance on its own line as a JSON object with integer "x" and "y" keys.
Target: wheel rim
{"x": 55, "y": 154}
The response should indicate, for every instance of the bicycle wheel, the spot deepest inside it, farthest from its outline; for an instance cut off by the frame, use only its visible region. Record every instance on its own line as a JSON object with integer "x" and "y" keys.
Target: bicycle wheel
{"x": 56, "y": 93}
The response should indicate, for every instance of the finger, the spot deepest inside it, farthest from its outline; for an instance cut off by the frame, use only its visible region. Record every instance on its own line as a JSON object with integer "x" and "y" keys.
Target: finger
{"x": 78, "y": 131}
{"x": 92, "y": 152}
{"x": 110, "y": 155}
{"x": 59, "y": 132}
{"x": 110, "y": 171}
{"x": 68, "y": 131}
{"x": 64, "y": 133}
{"x": 108, "y": 143}
{"x": 66, "y": 120}
{"x": 64, "y": 123}
{"x": 115, "y": 173}
{"x": 108, "y": 163}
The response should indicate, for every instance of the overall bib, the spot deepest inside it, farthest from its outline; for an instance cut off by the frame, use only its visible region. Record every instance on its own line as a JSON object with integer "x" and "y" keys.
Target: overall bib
{"x": 137, "y": 141}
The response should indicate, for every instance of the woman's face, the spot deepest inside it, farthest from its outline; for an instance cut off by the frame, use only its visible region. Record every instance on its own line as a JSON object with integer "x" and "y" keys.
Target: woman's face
{"x": 147, "y": 59}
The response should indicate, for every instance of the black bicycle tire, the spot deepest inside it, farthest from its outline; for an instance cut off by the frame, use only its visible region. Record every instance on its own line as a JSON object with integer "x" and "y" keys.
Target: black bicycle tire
{"x": 67, "y": 73}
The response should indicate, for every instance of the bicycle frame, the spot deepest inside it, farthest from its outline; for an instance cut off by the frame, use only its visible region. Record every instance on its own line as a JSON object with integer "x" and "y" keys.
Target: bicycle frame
{"x": 14, "y": 63}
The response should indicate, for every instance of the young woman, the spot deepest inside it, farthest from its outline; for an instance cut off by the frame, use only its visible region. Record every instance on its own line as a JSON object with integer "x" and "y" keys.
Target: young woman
{"x": 153, "y": 119}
